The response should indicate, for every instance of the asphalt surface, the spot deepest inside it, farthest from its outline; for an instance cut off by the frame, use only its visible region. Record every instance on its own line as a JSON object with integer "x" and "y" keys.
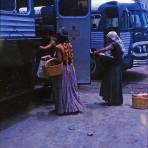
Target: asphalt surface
{"x": 99, "y": 126}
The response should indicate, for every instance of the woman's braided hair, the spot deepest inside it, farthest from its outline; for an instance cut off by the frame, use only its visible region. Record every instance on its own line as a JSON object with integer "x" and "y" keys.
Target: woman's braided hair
{"x": 68, "y": 53}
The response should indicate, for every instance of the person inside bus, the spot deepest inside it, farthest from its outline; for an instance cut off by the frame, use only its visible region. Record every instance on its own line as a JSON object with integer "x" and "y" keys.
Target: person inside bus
{"x": 111, "y": 86}
{"x": 48, "y": 51}
{"x": 68, "y": 101}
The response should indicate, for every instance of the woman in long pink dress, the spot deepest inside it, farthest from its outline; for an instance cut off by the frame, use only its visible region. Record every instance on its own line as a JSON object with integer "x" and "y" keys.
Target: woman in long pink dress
{"x": 68, "y": 101}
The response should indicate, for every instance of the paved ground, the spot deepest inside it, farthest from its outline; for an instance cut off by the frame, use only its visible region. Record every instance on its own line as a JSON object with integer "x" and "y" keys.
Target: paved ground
{"x": 111, "y": 127}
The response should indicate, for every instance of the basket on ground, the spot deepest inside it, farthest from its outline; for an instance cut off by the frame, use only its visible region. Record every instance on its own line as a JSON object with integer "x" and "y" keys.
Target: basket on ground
{"x": 53, "y": 67}
{"x": 140, "y": 101}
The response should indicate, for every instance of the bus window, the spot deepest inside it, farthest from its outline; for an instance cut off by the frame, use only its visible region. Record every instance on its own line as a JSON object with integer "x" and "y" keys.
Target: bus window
{"x": 22, "y": 6}
{"x": 123, "y": 22}
{"x": 145, "y": 19}
{"x": 95, "y": 20}
{"x": 73, "y": 7}
{"x": 126, "y": 20}
{"x": 7, "y": 5}
{"x": 130, "y": 20}
{"x": 137, "y": 20}
{"x": 111, "y": 18}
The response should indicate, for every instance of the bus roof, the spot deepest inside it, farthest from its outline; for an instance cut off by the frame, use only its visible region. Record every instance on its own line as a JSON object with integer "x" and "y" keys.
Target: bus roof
{"x": 97, "y": 3}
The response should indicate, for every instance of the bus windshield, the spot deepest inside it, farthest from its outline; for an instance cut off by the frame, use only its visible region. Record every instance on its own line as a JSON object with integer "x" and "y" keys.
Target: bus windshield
{"x": 111, "y": 17}
{"x": 140, "y": 19}
{"x": 145, "y": 18}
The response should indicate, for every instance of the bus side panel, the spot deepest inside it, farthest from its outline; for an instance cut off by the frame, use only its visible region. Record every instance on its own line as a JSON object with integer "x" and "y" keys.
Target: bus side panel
{"x": 18, "y": 47}
{"x": 16, "y": 26}
{"x": 17, "y": 66}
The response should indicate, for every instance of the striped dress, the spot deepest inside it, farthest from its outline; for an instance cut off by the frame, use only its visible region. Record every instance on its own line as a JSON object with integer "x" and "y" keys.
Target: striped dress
{"x": 68, "y": 101}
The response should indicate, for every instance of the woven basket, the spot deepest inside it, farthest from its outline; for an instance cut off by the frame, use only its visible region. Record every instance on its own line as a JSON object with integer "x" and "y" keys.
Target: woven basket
{"x": 140, "y": 101}
{"x": 53, "y": 68}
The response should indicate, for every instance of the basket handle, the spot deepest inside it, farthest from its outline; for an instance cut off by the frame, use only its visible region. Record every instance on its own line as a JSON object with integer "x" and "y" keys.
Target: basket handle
{"x": 45, "y": 58}
{"x": 48, "y": 61}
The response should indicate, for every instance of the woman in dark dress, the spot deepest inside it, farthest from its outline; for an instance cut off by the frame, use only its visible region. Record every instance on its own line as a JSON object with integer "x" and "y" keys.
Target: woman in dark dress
{"x": 48, "y": 52}
{"x": 111, "y": 86}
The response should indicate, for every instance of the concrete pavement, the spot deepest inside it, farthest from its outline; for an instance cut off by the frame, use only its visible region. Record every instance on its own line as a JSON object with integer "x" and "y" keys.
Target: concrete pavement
{"x": 109, "y": 126}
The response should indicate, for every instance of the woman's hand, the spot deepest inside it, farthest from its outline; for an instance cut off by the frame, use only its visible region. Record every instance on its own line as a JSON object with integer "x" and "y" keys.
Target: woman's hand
{"x": 91, "y": 53}
{"x": 50, "y": 45}
{"x": 42, "y": 47}
{"x": 97, "y": 52}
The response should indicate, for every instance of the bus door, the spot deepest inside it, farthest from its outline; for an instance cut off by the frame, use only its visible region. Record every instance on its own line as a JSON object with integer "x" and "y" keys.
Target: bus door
{"x": 74, "y": 16}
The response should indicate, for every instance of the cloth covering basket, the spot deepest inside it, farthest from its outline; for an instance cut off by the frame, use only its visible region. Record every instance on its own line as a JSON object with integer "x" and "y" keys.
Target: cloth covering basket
{"x": 53, "y": 68}
{"x": 140, "y": 101}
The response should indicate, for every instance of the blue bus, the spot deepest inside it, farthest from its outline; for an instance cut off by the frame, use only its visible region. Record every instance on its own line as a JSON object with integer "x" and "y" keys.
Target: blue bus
{"x": 129, "y": 20}
{"x": 21, "y": 29}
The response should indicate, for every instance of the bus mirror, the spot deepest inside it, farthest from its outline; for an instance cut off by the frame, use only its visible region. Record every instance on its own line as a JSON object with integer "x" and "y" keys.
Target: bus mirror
{"x": 130, "y": 22}
{"x": 94, "y": 26}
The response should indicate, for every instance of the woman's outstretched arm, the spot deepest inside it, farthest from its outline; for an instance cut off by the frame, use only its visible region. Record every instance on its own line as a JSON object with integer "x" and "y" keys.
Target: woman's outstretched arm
{"x": 51, "y": 43}
{"x": 107, "y": 48}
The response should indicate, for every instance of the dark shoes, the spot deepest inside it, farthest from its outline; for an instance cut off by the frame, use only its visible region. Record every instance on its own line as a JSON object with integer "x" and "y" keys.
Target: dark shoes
{"x": 69, "y": 113}
{"x": 109, "y": 103}
{"x": 113, "y": 104}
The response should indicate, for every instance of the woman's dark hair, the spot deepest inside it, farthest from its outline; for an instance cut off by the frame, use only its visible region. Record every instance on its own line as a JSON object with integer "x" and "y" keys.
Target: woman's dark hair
{"x": 48, "y": 33}
{"x": 62, "y": 36}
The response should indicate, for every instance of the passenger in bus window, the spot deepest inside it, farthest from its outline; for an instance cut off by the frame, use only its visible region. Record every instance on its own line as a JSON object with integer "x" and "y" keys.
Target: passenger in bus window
{"x": 47, "y": 52}
{"x": 111, "y": 86}
{"x": 68, "y": 101}
{"x": 49, "y": 49}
